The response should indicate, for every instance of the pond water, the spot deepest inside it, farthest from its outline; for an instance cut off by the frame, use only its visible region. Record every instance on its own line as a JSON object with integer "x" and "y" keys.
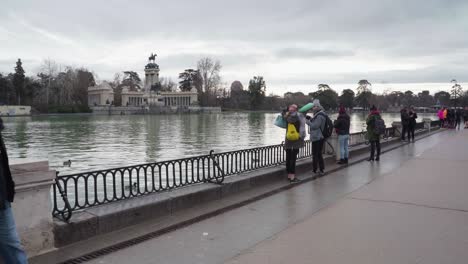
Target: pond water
{"x": 102, "y": 142}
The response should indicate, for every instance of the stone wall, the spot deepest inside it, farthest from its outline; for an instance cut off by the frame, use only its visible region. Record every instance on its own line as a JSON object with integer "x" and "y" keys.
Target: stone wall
{"x": 32, "y": 206}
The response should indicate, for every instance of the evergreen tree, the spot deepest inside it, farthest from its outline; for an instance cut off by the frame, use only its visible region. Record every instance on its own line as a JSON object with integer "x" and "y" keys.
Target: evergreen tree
{"x": 18, "y": 81}
{"x": 257, "y": 90}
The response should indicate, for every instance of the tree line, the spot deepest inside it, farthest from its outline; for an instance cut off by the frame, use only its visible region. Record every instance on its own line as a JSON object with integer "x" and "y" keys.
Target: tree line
{"x": 64, "y": 89}
{"x": 331, "y": 100}
{"x": 51, "y": 90}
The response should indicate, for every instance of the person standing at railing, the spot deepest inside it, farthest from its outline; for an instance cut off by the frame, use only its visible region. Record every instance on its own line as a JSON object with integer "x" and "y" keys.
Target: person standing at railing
{"x": 295, "y": 135}
{"x": 440, "y": 114}
{"x": 458, "y": 118}
{"x": 342, "y": 124}
{"x": 10, "y": 246}
{"x": 374, "y": 137}
{"x": 405, "y": 124}
{"x": 465, "y": 116}
{"x": 445, "y": 114}
{"x": 412, "y": 123}
{"x": 317, "y": 125}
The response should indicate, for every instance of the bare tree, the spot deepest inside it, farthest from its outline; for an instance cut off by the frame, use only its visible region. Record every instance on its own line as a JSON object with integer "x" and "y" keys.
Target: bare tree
{"x": 210, "y": 80}
{"x": 117, "y": 80}
{"x": 50, "y": 68}
{"x": 209, "y": 72}
{"x": 167, "y": 84}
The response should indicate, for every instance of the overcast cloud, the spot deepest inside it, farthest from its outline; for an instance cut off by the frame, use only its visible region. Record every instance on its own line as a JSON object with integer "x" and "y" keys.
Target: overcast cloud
{"x": 291, "y": 43}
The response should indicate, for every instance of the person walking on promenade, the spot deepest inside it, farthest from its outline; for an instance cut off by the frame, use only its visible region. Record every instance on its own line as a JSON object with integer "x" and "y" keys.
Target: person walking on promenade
{"x": 10, "y": 246}
{"x": 440, "y": 115}
{"x": 465, "y": 116}
{"x": 412, "y": 123}
{"x": 445, "y": 116}
{"x": 294, "y": 140}
{"x": 341, "y": 125}
{"x": 458, "y": 118}
{"x": 405, "y": 124}
{"x": 317, "y": 126}
{"x": 374, "y": 137}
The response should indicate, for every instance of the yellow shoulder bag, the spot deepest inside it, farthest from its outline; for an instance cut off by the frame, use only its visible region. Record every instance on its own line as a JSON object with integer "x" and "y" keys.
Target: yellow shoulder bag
{"x": 292, "y": 133}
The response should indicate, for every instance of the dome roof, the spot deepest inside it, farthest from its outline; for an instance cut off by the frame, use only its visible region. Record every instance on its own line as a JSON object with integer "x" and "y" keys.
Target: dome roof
{"x": 237, "y": 86}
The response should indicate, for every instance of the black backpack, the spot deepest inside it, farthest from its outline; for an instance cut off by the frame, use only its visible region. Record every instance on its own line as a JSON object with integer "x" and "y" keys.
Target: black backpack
{"x": 379, "y": 126}
{"x": 328, "y": 127}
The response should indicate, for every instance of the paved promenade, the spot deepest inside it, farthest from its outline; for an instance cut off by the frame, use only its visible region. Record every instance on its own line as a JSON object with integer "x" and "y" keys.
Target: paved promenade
{"x": 411, "y": 207}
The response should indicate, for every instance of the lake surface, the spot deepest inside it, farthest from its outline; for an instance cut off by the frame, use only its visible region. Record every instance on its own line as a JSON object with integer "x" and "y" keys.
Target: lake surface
{"x": 102, "y": 142}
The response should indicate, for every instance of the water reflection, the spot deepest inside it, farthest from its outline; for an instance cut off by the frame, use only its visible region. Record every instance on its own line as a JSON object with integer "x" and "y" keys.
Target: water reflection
{"x": 101, "y": 142}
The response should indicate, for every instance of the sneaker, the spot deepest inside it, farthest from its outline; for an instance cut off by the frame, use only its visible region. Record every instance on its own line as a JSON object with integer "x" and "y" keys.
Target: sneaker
{"x": 370, "y": 159}
{"x": 295, "y": 179}
{"x": 342, "y": 161}
{"x": 377, "y": 159}
{"x": 321, "y": 173}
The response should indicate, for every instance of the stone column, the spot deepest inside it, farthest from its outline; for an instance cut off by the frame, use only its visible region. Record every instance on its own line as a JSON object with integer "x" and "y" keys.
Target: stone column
{"x": 427, "y": 123}
{"x": 32, "y": 206}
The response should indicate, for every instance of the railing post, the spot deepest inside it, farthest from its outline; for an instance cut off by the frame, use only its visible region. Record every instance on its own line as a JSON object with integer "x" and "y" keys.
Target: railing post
{"x": 427, "y": 124}
{"x": 333, "y": 140}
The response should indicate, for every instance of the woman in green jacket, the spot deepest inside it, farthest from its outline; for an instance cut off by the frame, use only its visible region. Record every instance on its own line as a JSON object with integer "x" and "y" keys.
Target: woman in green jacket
{"x": 372, "y": 135}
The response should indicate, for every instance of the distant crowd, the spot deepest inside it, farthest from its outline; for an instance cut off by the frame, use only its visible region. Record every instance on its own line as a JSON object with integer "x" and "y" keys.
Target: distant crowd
{"x": 452, "y": 118}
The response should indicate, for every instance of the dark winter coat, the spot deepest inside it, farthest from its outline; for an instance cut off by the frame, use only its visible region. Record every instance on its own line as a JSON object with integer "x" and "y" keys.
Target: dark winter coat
{"x": 371, "y": 133}
{"x": 7, "y": 186}
{"x": 405, "y": 119}
{"x": 342, "y": 124}
{"x": 412, "y": 119}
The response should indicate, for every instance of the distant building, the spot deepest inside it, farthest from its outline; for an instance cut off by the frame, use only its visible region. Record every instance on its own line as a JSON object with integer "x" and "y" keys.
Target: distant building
{"x": 101, "y": 94}
{"x": 147, "y": 96}
{"x": 15, "y": 110}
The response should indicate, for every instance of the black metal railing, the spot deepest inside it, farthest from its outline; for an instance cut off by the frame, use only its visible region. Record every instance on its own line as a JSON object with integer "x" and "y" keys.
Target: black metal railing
{"x": 82, "y": 190}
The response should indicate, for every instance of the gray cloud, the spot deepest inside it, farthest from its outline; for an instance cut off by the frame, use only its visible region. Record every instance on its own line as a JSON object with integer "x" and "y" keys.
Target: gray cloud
{"x": 419, "y": 40}
{"x": 308, "y": 53}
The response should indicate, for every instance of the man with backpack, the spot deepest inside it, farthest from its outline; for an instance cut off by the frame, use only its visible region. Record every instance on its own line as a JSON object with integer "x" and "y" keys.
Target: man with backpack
{"x": 321, "y": 128}
{"x": 375, "y": 128}
{"x": 405, "y": 120}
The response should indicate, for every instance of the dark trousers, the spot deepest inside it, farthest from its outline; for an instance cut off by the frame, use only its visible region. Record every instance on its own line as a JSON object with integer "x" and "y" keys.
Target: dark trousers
{"x": 405, "y": 131}
{"x": 375, "y": 144}
{"x": 317, "y": 156}
{"x": 291, "y": 157}
{"x": 411, "y": 130}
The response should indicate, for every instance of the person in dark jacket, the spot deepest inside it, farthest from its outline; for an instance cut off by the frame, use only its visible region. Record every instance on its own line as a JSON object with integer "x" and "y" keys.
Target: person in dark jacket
{"x": 412, "y": 123}
{"x": 374, "y": 137}
{"x": 317, "y": 125}
{"x": 341, "y": 125}
{"x": 465, "y": 117}
{"x": 292, "y": 146}
{"x": 10, "y": 246}
{"x": 458, "y": 118}
{"x": 405, "y": 124}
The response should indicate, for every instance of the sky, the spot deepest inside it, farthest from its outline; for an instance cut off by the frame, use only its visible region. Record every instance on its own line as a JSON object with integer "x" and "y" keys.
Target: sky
{"x": 294, "y": 44}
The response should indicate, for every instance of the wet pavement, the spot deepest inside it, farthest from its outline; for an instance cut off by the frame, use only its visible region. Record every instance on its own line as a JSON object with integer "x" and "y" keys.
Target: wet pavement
{"x": 411, "y": 207}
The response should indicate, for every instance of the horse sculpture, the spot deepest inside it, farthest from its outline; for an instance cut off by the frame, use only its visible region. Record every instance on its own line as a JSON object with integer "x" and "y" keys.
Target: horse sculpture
{"x": 152, "y": 57}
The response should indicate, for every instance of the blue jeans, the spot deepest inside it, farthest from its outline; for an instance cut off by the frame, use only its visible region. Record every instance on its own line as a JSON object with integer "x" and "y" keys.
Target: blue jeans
{"x": 343, "y": 140}
{"x": 10, "y": 246}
